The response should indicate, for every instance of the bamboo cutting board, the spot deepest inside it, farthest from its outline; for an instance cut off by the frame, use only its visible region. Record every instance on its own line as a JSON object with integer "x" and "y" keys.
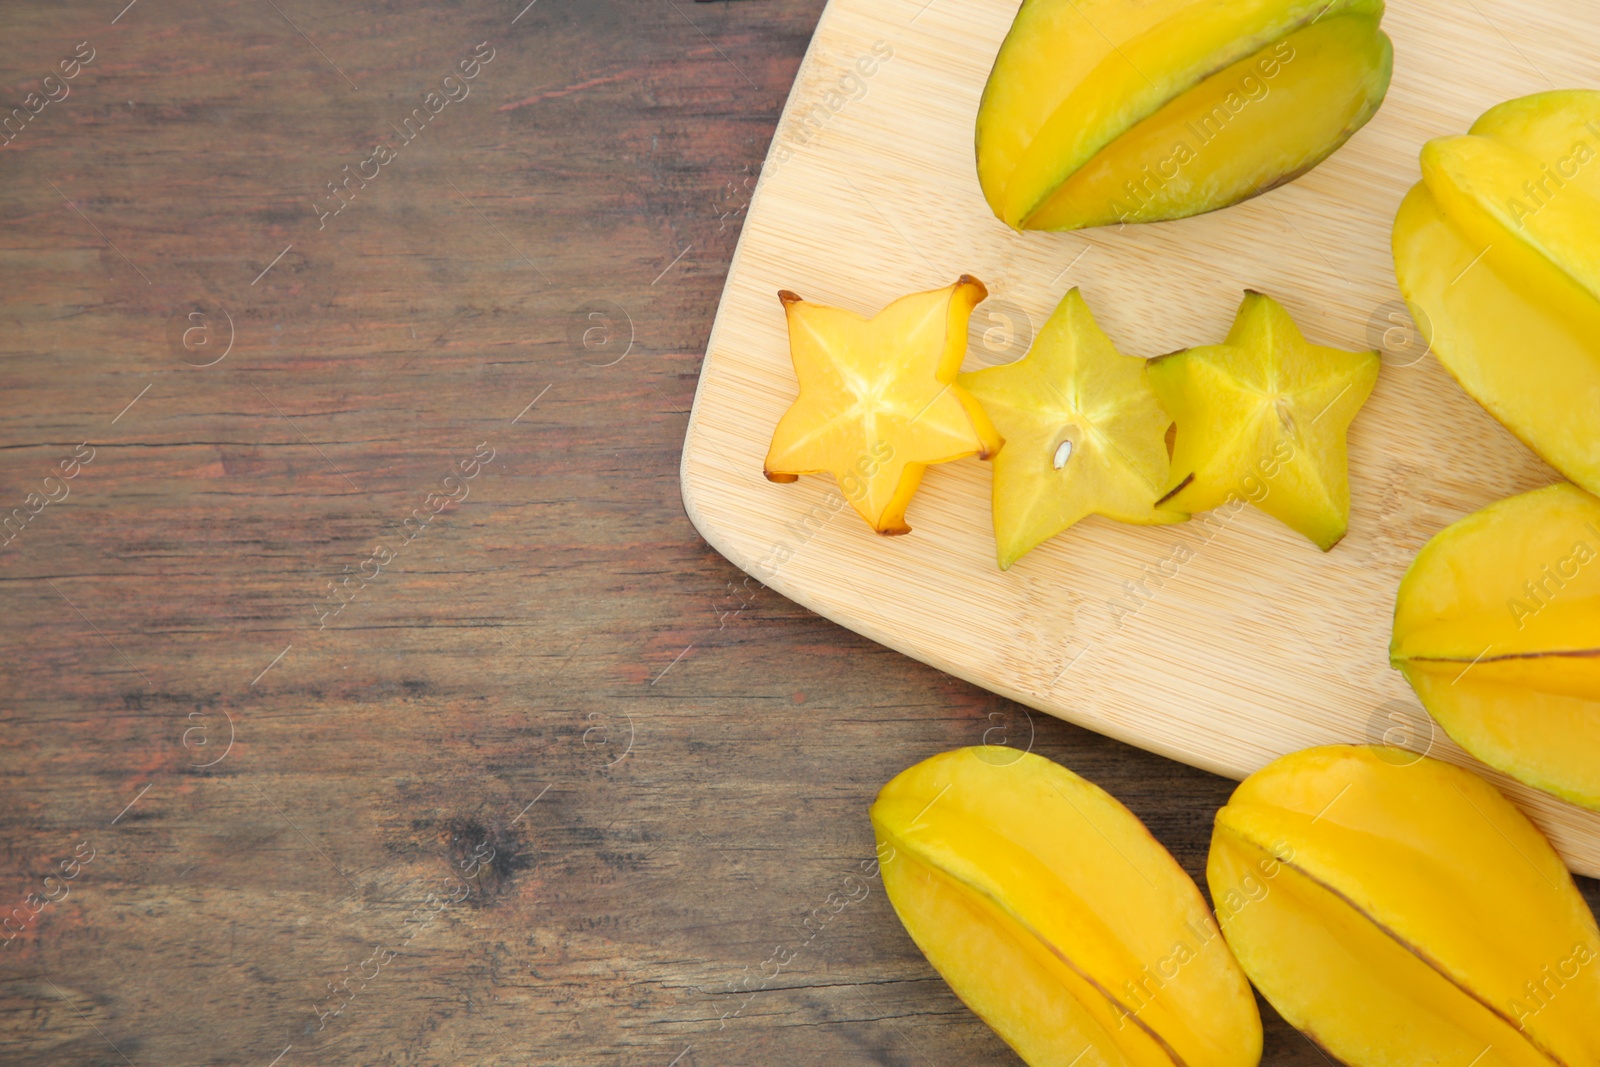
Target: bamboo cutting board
{"x": 1225, "y": 642}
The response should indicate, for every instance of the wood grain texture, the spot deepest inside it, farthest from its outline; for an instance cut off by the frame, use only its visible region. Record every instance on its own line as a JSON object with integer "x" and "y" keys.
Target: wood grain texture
{"x": 1225, "y": 642}
{"x": 702, "y": 750}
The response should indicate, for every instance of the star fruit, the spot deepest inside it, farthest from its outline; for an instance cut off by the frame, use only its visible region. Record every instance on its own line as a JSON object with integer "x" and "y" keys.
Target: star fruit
{"x": 1497, "y": 628}
{"x": 1263, "y": 417}
{"x": 878, "y": 401}
{"x": 1106, "y": 111}
{"x": 1084, "y": 434}
{"x": 1497, "y": 251}
{"x": 1057, "y": 918}
{"x": 1400, "y": 911}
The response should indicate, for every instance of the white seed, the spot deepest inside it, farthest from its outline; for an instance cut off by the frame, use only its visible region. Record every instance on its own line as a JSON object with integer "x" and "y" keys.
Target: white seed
{"x": 1063, "y": 453}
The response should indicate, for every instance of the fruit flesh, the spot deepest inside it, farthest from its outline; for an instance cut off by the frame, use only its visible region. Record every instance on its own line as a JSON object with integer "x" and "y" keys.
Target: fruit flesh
{"x": 878, "y": 401}
{"x": 1495, "y": 253}
{"x": 1497, "y": 628}
{"x": 1264, "y": 417}
{"x": 1383, "y": 860}
{"x": 1053, "y": 913}
{"x": 1235, "y": 135}
{"x": 1084, "y": 434}
{"x": 1074, "y": 76}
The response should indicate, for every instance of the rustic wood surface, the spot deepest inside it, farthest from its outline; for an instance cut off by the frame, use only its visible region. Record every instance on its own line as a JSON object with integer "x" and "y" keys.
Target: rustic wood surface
{"x": 1225, "y": 642}
{"x": 555, "y": 783}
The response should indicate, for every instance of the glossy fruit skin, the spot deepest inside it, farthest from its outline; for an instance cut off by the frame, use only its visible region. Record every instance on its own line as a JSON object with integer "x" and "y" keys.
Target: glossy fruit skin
{"x": 1105, "y": 111}
{"x": 1400, "y": 911}
{"x": 1497, "y": 628}
{"x": 1497, "y": 252}
{"x": 1084, "y": 435}
{"x": 1057, "y": 918}
{"x": 1263, "y": 417}
{"x": 878, "y": 400}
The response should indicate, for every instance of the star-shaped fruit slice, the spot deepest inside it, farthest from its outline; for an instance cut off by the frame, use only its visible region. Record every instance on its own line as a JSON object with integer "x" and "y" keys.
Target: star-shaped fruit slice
{"x": 1084, "y": 434}
{"x": 879, "y": 402}
{"x": 1263, "y": 418}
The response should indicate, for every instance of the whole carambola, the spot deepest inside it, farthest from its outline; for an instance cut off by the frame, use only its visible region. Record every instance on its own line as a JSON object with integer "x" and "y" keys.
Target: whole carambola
{"x": 1109, "y": 111}
{"x": 1057, "y": 918}
{"x": 1400, "y": 911}
{"x": 1497, "y": 251}
{"x": 1497, "y": 628}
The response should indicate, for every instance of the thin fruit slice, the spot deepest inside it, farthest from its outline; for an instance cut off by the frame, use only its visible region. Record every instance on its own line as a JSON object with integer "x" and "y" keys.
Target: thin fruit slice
{"x": 1263, "y": 417}
{"x": 1495, "y": 251}
{"x": 1084, "y": 434}
{"x": 1057, "y": 918}
{"x": 1497, "y": 627}
{"x": 878, "y": 401}
{"x": 1102, "y": 111}
{"x": 1403, "y": 914}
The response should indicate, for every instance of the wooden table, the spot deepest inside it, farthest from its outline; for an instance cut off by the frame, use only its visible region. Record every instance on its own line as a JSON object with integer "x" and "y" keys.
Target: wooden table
{"x": 367, "y": 672}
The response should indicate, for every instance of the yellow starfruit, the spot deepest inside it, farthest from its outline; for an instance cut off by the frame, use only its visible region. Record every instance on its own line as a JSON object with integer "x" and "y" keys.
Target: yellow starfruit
{"x": 1399, "y": 911}
{"x": 1263, "y": 417}
{"x": 1057, "y": 918}
{"x": 1084, "y": 434}
{"x": 1105, "y": 111}
{"x": 1497, "y": 251}
{"x": 1497, "y": 628}
{"x": 878, "y": 400}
